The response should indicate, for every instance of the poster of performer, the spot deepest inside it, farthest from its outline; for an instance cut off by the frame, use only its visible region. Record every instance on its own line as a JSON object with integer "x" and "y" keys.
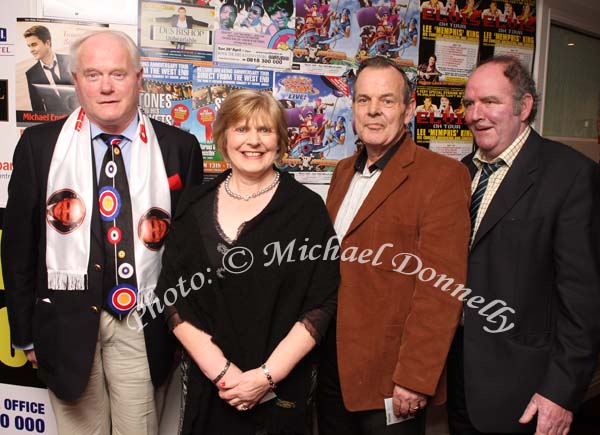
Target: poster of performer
{"x": 449, "y": 43}
{"x": 44, "y": 88}
{"x": 211, "y": 85}
{"x": 326, "y": 36}
{"x": 252, "y": 32}
{"x": 167, "y": 91}
{"x": 508, "y": 28}
{"x": 175, "y": 30}
{"x": 440, "y": 120}
{"x": 389, "y": 29}
{"x": 320, "y": 131}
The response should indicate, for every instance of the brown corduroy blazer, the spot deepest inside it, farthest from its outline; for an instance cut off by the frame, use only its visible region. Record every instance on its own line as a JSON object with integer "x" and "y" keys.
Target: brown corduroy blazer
{"x": 395, "y": 326}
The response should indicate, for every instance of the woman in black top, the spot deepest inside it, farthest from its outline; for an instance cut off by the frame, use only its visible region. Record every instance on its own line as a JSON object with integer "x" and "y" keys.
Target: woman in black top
{"x": 250, "y": 277}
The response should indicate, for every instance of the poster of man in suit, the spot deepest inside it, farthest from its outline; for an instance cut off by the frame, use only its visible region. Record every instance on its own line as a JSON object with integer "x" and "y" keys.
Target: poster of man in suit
{"x": 44, "y": 87}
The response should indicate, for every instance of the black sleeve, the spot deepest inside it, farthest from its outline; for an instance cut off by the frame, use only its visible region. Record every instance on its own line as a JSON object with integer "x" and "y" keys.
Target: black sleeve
{"x": 20, "y": 239}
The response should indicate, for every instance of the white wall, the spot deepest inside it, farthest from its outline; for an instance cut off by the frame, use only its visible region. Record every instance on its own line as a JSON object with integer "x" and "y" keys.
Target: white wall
{"x": 581, "y": 15}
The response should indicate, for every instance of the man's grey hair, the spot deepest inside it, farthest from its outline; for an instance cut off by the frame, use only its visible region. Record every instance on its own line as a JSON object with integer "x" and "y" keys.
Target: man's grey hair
{"x": 130, "y": 46}
{"x": 380, "y": 62}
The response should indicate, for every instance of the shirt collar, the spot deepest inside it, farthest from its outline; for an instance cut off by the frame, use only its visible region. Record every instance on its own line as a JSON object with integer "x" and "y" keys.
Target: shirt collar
{"x": 128, "y": 133}
{"x": 508, "y": 156}
{"x": 361, "y": 160}
{"x": 52, "y": 63}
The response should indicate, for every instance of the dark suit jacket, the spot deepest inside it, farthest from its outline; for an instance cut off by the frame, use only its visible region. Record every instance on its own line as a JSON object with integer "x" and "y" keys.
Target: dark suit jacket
{"x": 50, "y": 102}
{"x": 393, "y": 328}
{"x": 190, "y": 21}
{"x": 536, "y": 250}
{"x": 64, "y": 332}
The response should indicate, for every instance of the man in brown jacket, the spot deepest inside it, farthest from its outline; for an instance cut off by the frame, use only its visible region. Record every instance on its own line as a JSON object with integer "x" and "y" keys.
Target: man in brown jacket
{"x": 401, "y": 214}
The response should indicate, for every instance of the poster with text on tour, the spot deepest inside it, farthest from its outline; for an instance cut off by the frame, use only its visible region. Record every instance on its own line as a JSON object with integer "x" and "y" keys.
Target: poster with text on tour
{"x": 175, "y": 30}
{"x": 44, "y": 89}
{"x": 508, "y": 28}
{"x": 320, "y": 131}
{"x": 449, "y": 43}
{"x": 439, "y": 121}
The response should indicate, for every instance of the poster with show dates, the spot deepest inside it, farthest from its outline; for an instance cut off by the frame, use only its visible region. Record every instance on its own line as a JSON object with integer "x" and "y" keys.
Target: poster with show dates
{"x": 440, "y": 120}
{"x": 260, "y": 34}
{"x": 449, "y": 44}
{"x": 211, "y": 86}
{"x": 508, "y": 28}
{"x": 167, "y": 91}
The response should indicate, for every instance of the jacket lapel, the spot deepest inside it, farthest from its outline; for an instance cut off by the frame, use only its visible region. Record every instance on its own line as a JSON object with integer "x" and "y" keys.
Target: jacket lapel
{"x": 339, "y": 186}
{"x": 520, "y": 177}
{"x": 390, "y": 179}
{"x": 96, "y": 224}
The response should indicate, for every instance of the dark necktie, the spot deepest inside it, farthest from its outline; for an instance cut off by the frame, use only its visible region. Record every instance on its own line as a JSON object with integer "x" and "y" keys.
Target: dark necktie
{"x": 487, "y": 170}
{"x": 53, "y": 72}
{"x": 120, "y": 285}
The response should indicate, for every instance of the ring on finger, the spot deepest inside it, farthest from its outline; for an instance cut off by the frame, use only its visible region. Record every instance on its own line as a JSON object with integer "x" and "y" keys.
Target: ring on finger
{"x": 243, "y": 407}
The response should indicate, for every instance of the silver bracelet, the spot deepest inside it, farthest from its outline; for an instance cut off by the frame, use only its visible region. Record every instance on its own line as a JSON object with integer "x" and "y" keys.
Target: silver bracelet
{"x": 220, "y": 375}
{"x": 272, "y": 384}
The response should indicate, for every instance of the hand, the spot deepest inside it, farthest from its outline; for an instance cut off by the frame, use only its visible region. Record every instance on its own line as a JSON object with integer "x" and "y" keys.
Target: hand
{"x": 232, "y": 373}
{"x": 243, "y": 392}
{"x": 407, "y": 402}
{"x": 30, "y": 354}
{"x": 553, "y": 419}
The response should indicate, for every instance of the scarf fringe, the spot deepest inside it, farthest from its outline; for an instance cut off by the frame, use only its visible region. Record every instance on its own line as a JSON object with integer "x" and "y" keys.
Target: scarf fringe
{"x": 67, "y": 281}
{"x": 146, "y": 296}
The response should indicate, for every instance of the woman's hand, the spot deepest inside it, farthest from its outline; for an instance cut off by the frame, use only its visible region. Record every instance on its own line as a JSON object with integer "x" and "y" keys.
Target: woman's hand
{"x": 230, "y": 376}
{"x": 244, "y": 391}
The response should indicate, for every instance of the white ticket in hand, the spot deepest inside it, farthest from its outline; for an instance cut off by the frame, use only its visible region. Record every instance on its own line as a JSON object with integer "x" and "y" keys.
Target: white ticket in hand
{"x": 269, "y": 396}
{"x": 390, "y": 417}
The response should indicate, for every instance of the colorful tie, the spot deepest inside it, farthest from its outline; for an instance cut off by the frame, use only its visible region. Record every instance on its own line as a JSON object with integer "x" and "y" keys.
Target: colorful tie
{"x": 117, "y": 223}
{"x": 487, "y": 170}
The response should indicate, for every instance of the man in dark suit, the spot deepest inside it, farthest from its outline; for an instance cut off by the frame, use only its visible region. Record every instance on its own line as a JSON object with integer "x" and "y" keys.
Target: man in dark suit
{"x": 533, "y": 268}
{"x": 101, "y": 366}
{"x": 394, "y": 202}
{"x": 182, "y": 20}
{"x": 49, "y": 72}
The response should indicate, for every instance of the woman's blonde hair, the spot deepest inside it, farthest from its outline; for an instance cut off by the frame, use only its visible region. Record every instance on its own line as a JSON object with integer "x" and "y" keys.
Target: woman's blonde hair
{"x": 245, "y": 105}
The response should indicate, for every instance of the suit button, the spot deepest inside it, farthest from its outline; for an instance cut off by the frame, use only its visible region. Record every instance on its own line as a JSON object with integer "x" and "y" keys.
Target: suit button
{"x": 95, "y": 309}
{"x": 98, "y": 267}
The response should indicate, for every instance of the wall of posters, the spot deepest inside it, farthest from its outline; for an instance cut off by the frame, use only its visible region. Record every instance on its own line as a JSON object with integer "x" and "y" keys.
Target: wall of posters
{"x": 306, "y": 44}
